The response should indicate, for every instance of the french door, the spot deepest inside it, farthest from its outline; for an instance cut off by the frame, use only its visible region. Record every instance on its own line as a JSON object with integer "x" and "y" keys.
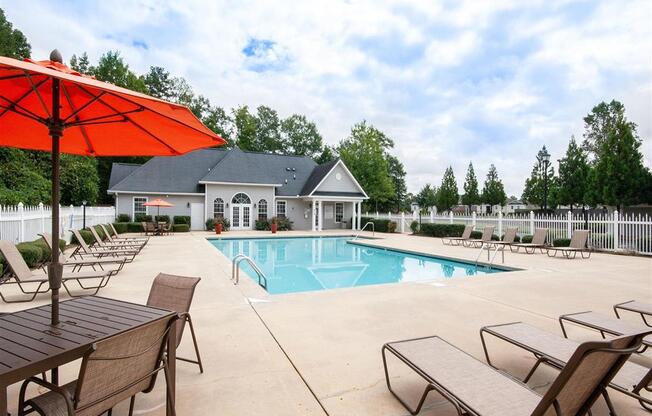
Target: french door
{"x": 241, "y": 216}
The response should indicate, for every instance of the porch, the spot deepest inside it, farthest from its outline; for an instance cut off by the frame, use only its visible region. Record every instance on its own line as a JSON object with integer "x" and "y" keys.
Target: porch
{"x": 335, "y": 212}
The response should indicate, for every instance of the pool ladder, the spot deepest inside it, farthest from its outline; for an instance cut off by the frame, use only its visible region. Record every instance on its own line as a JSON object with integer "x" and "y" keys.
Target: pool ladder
{"x": 235, "y": 270}
{"x": 373, "y": 230}
{"x": 493, "y": 257}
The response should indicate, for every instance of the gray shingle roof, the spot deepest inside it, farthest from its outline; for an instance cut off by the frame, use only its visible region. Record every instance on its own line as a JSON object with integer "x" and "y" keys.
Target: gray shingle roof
{"x": 317, "y": 175}
{"x": 119, "y": 171}
{"x": 291, "y": 172}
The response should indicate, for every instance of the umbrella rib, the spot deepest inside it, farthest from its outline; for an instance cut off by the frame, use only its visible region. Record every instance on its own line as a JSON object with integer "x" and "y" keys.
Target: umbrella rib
{"x": 14, "y": 104}
{"x": 38, "y": 94}
{"x": 20, "y": 113}
{"x": 76, "y": 112}
{"x": 93, "y": 120}
{"x": 81, "y": 128}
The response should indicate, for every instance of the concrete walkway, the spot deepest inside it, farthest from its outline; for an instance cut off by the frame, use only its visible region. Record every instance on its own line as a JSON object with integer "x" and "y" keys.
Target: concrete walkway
{"x": 273, "y": 354}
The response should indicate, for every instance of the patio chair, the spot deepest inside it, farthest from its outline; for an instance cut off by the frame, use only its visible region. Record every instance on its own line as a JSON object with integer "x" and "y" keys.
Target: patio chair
{"x": 577, "y": 245}
{"x": 487, "y": 233}
{"x": 641, "y": 308}
{"x": 79, "y": 263}
{"x": 101, "y": 244}
{"x": 116, "y": 236}
{"x": 117, "y": 243}
{"x": 475, "y": 388}
{"x": 604, "y": 324}
{"x": 165, "y": 228}
{"x": 632, "y": 379}
{"x": 84, "y": 249}
{"x": 149, "y": 228}
{"x": 112, "y": 370}
{"x": 21, "y": 276}
{"x": 456, "y": 241}
{"x": 175, "y": 293}
{"x": 538, "y": 242}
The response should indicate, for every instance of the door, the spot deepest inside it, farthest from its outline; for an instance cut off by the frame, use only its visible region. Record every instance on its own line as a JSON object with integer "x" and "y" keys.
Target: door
{"x": 197, "y": 216}
{"x": 241, "y": 212}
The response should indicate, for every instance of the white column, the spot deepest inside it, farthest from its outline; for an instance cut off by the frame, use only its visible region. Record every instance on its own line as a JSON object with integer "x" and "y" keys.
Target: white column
{"x": 360, "y": 215}
{"x": 312, "y": 216}
{"x": 321, "y": 215}
{"x": 353, "y": 208}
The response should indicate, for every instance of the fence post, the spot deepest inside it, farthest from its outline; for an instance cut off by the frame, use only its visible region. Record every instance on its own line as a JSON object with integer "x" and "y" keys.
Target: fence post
{"x": 473, "y": 219}
{"x": 450, "y": 217}
{"x": 432, "y": 217}
{"x": 414, "y": 215}
{"x": 500, "y": 223}
{"x": 21, "y": 216}
{"x": 42, "y": 215}
{"x": 402, "y": 222}
{"x": 616, "y": 231}
{"x": 569, "y": 224}
{"x": 531, "y": 222}
{"x": 377, "y": 214}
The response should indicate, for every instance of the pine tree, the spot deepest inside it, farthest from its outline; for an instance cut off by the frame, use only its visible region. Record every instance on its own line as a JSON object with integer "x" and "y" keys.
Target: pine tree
{"x": 426, "y": 198}
{"x": 493, "y": 192}
{"x": 573, "y": 175}
{"x": 471, "y": 194}
{"x": 447, "y": 195}
{"x": 539, "y": 184}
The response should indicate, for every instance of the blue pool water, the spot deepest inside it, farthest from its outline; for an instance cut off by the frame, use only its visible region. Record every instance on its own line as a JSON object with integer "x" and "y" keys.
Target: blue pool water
{"x": 318, "y": 263}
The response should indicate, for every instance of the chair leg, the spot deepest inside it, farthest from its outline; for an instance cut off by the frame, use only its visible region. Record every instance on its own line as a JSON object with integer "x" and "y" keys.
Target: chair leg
{"x": 194, "y": 341}
{"x": 131, "y": 405}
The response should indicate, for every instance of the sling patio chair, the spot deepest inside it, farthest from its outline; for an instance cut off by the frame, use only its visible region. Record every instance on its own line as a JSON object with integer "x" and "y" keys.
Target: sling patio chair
{"x": 84, "y": 249}
{"x": 456, "y": 241}
{"x": 88, "y": 261}
{"x": 116, "y": 236}
{"x": 604, "y": 324}
{"x": 641, "y": 308}
{"x": 487, "y": 233}
{"x": 149, "y": 228}
{"x": 112, "y": 370}
{"x": 538, "y": 242}
{"x": 577, "y": 245}
{"x": 475, "y": 388}
{"x": 101, "y": 244}
{"x": 175, "y": 293}
{"x": 22, "y": 276}
{"x": 118, "y": 243}
{"x": 553, "y": 350}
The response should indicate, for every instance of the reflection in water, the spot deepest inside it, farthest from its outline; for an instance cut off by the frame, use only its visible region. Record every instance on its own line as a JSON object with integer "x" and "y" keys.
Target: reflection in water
{"x": 302, "y": 264}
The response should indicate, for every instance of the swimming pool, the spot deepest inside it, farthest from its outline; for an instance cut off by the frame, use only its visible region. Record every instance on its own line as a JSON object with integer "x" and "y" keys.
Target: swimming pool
{"x": 301, "y": 264}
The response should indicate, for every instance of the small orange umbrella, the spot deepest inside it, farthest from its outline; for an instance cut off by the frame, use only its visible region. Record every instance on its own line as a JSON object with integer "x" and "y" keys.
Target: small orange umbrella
{"x": 47, "y": 106}
{"x": 158, "y": 203}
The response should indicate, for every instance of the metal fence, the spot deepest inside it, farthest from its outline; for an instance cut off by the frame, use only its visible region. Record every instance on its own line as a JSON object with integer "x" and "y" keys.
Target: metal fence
{"x": 609, "y": 231}
{"x": 23, "y": 223}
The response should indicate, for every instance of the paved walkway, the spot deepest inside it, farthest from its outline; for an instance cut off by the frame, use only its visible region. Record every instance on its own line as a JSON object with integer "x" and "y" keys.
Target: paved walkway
{"x": 299, "y": 354}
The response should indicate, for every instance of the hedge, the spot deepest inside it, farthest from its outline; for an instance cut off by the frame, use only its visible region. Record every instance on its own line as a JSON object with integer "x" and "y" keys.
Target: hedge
{"x": 162, "y": 218}
{"x": 86, "y": 235}
{"x": 262, "y": 225}
{"x": 180, "y": 228}
{"x": 134, "y": 227}
{"x": 124, "y": 218}
{"x": 31, "y": 253}
{"x": 414, "y": 226}
{"x": 527, "y": 238}
{"x": 47, "y": 253}
{"x": 120, "y": 227}
{"x": 517, "y": 239}
{"x": 181, "y": 219}
{"x": 143, "y": 218}
{"x": 381, "y": 226}
{"x": 210, "y": 224}
{"x": 442, "y": 230}
{"x": 476, "y": 235}
{"x": 100, "y": 232}
{"x": 561, "y": 242}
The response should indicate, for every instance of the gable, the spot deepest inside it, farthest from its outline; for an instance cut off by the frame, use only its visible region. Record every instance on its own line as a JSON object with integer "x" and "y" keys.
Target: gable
{"x": 339, "y": 181}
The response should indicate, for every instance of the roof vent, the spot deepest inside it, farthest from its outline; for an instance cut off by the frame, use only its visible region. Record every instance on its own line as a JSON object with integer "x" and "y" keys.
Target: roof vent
{"x": 286, "y": 181}
{"x": 288, "y": 169}
{"x": 294, "y": 169}
{"x": 294, "y": 176}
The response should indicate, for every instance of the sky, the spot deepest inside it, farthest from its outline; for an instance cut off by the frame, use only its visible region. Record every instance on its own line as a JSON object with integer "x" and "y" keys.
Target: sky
{"x": 449, "y": 81}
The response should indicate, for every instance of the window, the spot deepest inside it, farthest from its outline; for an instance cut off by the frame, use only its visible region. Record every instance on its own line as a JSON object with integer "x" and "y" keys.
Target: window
{"x": 280, "y": 209}
{"x": 339, "y": 211}
{"x": 241, "y": 198}
{"x": 218, "y": 208}
{"x": 139, "y": 208}
{"x": 262, "y": 210}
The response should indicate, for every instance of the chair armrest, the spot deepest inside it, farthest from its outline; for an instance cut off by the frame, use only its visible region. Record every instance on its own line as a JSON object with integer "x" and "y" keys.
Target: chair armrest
{"x": 52, "y": 387}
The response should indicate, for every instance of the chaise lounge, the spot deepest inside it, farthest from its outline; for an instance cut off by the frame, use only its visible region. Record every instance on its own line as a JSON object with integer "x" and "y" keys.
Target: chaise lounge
{"x": 487, "y": 233}
{"x": 456, "y": 241}
{"x": 577, "y": 245}
{"x": 538, "y": 242}
{"x": 84, "y": 249}
{"x": 603, "y": 324}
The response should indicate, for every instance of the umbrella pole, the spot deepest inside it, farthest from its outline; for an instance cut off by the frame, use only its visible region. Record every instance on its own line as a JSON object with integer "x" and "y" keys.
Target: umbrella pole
{"x": 55, "y": 269}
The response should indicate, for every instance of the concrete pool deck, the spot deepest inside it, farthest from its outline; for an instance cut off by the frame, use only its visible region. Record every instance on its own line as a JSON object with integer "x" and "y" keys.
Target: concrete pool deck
{"x": 301, "y": 353}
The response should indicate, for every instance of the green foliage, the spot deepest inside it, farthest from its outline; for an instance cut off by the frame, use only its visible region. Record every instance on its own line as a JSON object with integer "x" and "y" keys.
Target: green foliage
{"x": 471, "y": 194}
{"x": 46, "y": 253}
{"x": 181, "y": 219}
{"x": 159, "y": 83}
{"x": 210, "y": 224}
{"x": 517, "y": 239}
{"x": 447, "y": 195}
{"x": 602, "y": 119}
{"x": 414, "y": 226}
{"x": 86, "y": 235}
{"x": 162, "y": 218}
{"x": 442, "y": 230}
{"x": 143, "y": 218}
{"x": 476, "y": 234}
{"x": 81, "y": 64}
{"x": 282, "y": 223}
{"x": 121, "y": 227}
{"x": 328, "y": 154}
{"x": 573, "y": 176}
{"x": 301, "y": 137}
{"x": 541, "y": 183}
{"x": 268, "y": 131}
{"x": 13, "y": 42}
{"x": 221, "y": 123}
{"x": 399, "y": 201}
{"x": 493, "y": 192}
{"x": 32, "y": 254}
{"x": 79, "y": 180}
{"x": 100, "y": 232}
{"x": 124, "y": 218}
{"x": 245, "y": 125}
{"x": 180, "y": 228}
{"x": 262, "y": 225}
{"x": 21, "y": 178}
{"x": 526, "y": 238}
{"x": 133, "y": 227}
{"x": 380, "y": 226}
{"x": 561, "y": 242}
{"x": 112, "y": 68}
{"x": 426, "y": 198}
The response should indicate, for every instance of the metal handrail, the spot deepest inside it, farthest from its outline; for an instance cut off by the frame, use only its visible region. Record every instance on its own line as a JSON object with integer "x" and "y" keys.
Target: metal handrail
{"x": 373, "y": 230}
{"x": 488, "y": 248}
{"x": 235, "y": 270}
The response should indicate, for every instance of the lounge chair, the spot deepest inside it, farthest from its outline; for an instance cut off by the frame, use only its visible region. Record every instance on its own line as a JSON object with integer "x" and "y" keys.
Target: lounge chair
{"x": 118, "y": 243}
{"x": 475, "y": 388}
{"x": 21, "y": 275}
{"x": 112, "y": 370}
{"x": 538, "y": 242}
{"x": 175, "y": 293}
{"x": 84, "y": 249}
{"x": 556, "y": 351}
{"x": 487, "y": 233}
{"x": 88, "y": 261}
{"x": 508, "y": 239}
{"x": 456, "y": 241}
{"x": 641, "y": 308}
{"x": 116, "y": 236}
{"x": 577, "y": 245}
{"x": 101, "y": 244}
{"x": 604, "y": 324}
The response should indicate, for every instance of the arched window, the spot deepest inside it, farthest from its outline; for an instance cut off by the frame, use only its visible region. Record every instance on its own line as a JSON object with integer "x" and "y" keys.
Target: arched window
{"x": 241, "y": 198}
{"x": 262, "y": 210}
{"x": 218, "y": 208}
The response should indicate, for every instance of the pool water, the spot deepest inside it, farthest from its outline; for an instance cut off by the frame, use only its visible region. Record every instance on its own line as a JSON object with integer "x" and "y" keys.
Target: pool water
{"x": 317, "y": 263}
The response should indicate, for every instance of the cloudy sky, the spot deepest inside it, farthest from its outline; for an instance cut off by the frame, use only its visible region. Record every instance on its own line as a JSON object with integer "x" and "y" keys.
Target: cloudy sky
{"x": 449, "y": 81}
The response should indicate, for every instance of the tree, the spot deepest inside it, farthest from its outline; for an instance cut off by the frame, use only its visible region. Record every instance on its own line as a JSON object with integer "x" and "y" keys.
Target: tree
{"x": 493, "y": 192}
{"x": 112, "y": 68}
{"x": 268, "y": 130}
{"x": 573, "y": 176}
{"x": 159, "y": 83}
{"x": 599, "y": 122}
{"x": 398, "y": 202}
{"x": 79, "y": 180}
{"x": 363, "y": 152}
{"x": 471, "y": 194}
{"x": 245, "y": 128}
{"x": 221, "y": 123}
{"x": 81, "y": 64}
{"x": 619, "y": 174}
{"x": 300, "y": 137}
{"x": 327, "y": 154}
{"x": 426, "y": 198}
{"x": 447, "y": 195}
{"x": 13, "y": 42}
{"x": 539, "y": 184}
{"x": 21, "y": 179}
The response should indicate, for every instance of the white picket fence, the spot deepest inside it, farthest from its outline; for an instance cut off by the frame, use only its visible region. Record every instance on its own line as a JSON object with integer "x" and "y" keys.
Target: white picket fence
{"x": 613, "y": 232}
{"x": 24, "y": 223}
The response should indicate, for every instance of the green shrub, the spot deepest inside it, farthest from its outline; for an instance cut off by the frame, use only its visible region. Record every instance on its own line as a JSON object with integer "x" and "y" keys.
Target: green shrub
{"x": 210, "y": 224}
{"x": 414, "y": 226}
{"x": 124, "y": 218}
{"x": 180, "y": 228}
{"x": 226, "y": 224}
{"x": 262, "y": 225}
{"x": 181, "y": 219}
{"x": 86, "y": 235}
{"x": 476, "y": 235}
{"x": 526, "y": 239}
{"x": 282, "y": 223}
{"x": 561, "y": 242}
{"x": 494, "y": 237}
{"x": 162, "y": 218}
{"x": 517, "y": 239}
{"x": 100, "y": 232}
{"x": 442, "y": 230}
{"x": 135, "y": 227}
{"x": 46, "y": 253}
{"x": 32, "y": 254}
{"x": 391, "y": 227}
{"x": 120, "y": 227}
{"x": 143, "y": 217}
{"x": 2, "y": 267}
{"x": 382, "y": 226}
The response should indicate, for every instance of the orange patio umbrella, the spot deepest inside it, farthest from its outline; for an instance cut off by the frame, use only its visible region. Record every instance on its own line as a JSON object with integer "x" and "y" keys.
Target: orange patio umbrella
{"x": 44, "y": 105}
{"x": 158, "y": 203}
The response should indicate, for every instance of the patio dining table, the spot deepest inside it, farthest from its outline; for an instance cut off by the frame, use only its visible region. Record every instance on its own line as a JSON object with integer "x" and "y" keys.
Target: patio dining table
{"x": 30, "y": 345}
